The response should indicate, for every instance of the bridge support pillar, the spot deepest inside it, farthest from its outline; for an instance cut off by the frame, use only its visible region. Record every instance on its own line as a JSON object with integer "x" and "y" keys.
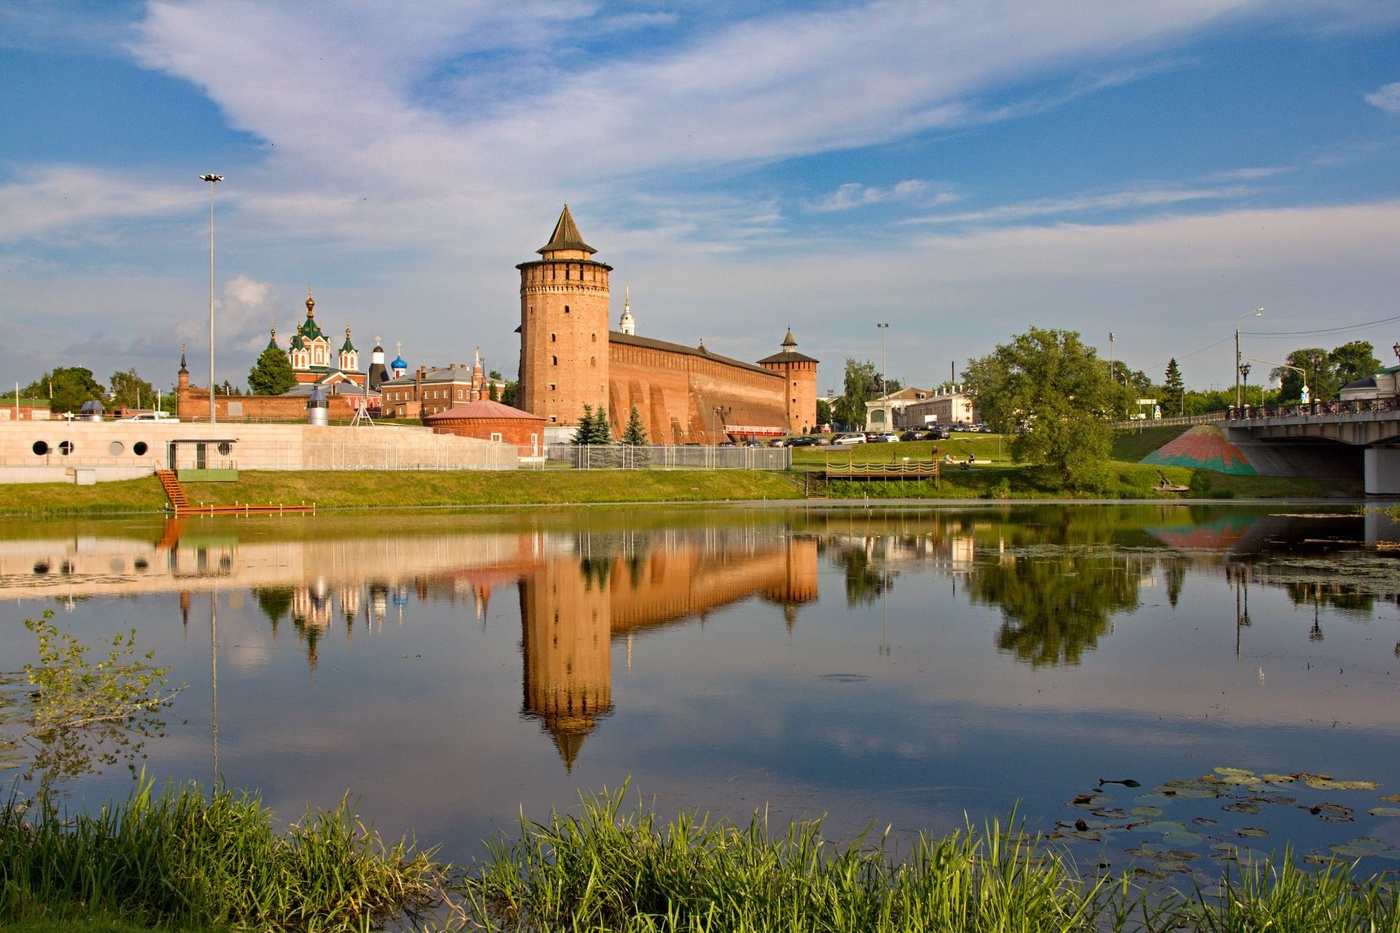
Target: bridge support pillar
{"x": 1382, "y": 471}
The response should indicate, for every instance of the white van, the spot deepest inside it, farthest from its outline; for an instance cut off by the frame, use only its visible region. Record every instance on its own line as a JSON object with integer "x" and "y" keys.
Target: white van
{"x": 163, "y": 416}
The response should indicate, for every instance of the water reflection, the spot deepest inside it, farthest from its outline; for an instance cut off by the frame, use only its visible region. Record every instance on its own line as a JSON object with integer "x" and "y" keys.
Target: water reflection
{"x": 871, "y": 663}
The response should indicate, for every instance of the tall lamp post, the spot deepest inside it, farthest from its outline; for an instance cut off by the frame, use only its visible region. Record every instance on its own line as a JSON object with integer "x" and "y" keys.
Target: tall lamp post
{"x": 1244, "y": 371}
{"x": 884, "y": 391}
{"x": 1238, "y": 358}
{"x": 213, "y": 180}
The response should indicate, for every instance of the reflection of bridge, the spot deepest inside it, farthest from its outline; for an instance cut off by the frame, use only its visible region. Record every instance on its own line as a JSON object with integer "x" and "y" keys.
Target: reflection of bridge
{"x": 1333, "y": 438}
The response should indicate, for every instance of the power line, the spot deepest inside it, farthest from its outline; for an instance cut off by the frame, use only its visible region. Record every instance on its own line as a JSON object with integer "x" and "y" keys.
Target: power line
{"x": 1308, "y": 333}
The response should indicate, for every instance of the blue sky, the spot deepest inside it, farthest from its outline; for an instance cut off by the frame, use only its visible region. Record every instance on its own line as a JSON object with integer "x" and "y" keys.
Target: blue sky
{"x": 959, "y": 170}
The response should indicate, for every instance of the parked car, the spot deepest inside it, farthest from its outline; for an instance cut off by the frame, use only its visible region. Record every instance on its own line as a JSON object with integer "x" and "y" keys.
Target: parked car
{"x": 806, "y": 440}
{"x": 911, "y": 436}
{"x": 846, "y": 440}
{"x": 937, "y": 433}
{"x": 162, "y": 416}
{"x": 878, "y": 438}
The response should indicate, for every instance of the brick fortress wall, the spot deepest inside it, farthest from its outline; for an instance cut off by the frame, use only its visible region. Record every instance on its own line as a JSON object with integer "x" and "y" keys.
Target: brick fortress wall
{"x": 677, "y": 391}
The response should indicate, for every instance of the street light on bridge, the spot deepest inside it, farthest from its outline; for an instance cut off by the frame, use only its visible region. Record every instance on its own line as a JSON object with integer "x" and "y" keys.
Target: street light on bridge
{"x": 1238, "y": 359}
{"x": 1244, "y": 371}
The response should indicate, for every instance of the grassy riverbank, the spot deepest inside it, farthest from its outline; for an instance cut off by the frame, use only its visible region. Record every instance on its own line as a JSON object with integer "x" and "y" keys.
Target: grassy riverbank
{"x": 186, "y": 862}
{"x": 992, "y": 476}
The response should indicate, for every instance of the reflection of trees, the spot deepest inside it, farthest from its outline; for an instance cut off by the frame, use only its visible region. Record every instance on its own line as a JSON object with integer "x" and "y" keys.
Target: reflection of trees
{"x": 274, "y": 601}
{"x": 1343, "y": 598}
{"x": 1174, "y": 570}
{"x": 864, "y": 583}
{"x": 1054, "y": 606}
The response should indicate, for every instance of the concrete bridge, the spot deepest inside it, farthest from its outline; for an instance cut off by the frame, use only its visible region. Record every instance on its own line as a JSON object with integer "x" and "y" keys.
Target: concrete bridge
{"x": 1340, "y": 438}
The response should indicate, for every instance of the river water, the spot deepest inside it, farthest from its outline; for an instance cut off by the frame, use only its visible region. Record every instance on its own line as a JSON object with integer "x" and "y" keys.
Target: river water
{"x": 913, "y": 668}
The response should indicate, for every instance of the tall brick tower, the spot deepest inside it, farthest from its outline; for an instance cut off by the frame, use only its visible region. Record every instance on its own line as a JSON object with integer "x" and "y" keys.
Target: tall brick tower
{"x": 800, "y": 371}
{"x": 563, "y": 328}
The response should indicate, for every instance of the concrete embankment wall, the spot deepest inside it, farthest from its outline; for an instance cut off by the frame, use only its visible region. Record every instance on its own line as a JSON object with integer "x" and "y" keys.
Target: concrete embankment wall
{"x": 84, "y": 452}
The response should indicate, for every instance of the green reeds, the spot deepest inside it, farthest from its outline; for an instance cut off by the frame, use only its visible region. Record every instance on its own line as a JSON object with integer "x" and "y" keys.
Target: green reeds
{"x": 184, "y": 858}
{"x": 616, "y": 870}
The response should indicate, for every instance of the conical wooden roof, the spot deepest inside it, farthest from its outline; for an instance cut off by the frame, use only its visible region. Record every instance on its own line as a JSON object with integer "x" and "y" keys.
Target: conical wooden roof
{"x": 566, "y": 236}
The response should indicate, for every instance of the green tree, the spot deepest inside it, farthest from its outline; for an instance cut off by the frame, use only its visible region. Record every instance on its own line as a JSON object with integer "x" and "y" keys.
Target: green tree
{"x": 1353, "y": 361}
{"x": 271, "y": 374}
{"x": 1305, "y": 367}
{"x": 131, "y": 391}
{"x": 66, "y": 388}
{"x": 593, "y": 428}
{"x": 1050, "y": 390}
{"x": 823, "y": 412}
{"x": 635, "y": 434}
{"x": 862, "y": 384}
{"x": 78, "y": 716}
{"x": 1173, "y": 390}
{"x": 510, "y": 393}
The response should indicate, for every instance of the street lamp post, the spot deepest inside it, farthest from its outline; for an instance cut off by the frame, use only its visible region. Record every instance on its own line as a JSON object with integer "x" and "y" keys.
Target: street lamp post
{"x": 884, "y": 390}
{"x": 1244, "y": 371}
{"x": 213, "y": 180}
{"x": 1238, "y": 358}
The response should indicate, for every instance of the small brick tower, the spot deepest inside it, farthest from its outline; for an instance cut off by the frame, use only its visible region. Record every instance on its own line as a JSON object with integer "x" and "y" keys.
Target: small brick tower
{"x": 563, "y": 328}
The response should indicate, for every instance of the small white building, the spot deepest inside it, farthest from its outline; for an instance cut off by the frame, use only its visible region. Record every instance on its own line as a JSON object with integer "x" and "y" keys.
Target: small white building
{"x": 946, "y": 407}
{"x": 887, "y": 413}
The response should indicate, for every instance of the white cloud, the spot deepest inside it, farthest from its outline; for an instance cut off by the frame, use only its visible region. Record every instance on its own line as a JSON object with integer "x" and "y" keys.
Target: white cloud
{"x": 1130, "y": 199}
{"x": 1387, "y": 98}
{"x": 853, "y": 195}
{"x": 58, "y": 200}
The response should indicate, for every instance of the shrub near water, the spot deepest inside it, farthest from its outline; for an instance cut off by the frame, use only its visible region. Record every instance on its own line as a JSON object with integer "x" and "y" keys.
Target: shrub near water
{"x": 183, "y": 859}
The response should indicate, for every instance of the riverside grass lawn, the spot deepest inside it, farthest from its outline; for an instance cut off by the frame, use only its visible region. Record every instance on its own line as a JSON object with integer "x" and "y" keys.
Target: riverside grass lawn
{"x": 992, "y": 476}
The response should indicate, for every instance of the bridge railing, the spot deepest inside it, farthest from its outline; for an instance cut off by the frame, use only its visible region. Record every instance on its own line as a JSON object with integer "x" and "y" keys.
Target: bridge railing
{"x": 1356, "y": 406}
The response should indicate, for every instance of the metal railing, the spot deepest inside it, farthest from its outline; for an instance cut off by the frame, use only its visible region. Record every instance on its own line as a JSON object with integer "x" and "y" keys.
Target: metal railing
{"x": 666, "y": 457}
{"x": 1356, "y": 406}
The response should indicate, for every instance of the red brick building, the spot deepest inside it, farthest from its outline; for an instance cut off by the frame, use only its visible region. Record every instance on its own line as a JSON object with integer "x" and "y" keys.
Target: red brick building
{"x": 570, "y": 358}
{"x": 492, "y": 421}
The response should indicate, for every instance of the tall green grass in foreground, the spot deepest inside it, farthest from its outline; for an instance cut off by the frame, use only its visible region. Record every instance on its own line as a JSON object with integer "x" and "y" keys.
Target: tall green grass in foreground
{"x": 185, "y": 859}
{"x": 607, "y": 869}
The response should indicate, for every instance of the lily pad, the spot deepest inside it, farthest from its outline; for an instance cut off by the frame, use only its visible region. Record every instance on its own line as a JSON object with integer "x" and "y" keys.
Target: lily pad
{"x": 1226, "y": 773}
{"x": 1323, "y": 783}
{"x": 1253, "y": 832}
{"x": 1384, "y": 811}
{"x": 1241, "y": 806}
{"x": 1161, "y": 826}
{"x": 1184, "y": 838}
{"x": 1146, "y": 811}
{"x": 1360, "y": 847}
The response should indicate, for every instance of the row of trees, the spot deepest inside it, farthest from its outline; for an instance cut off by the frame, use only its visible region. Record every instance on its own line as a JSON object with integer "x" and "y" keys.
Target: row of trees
{"x": 68, "y": 387}
{"x": 595, "y": 430}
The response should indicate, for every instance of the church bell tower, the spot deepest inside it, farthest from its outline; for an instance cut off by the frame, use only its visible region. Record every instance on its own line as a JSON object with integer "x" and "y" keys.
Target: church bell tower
{"x": 563, "y": 328}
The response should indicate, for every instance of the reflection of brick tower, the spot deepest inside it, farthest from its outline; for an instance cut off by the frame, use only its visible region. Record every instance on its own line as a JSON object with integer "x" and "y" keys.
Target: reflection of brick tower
{"x": 566, "y": 625}
{"x": 801, "y": 373}
{"x": 563, "y": 328}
